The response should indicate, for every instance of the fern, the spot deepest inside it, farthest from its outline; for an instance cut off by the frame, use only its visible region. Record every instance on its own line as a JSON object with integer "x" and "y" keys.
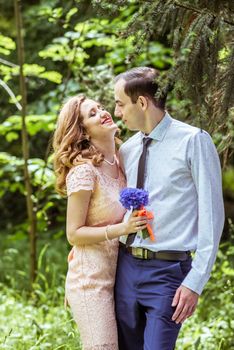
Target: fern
{"x": 201, "y": 34}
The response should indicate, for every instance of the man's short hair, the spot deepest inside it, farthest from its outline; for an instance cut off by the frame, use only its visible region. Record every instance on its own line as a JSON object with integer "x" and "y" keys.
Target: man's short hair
{"x": 141, "y": 81}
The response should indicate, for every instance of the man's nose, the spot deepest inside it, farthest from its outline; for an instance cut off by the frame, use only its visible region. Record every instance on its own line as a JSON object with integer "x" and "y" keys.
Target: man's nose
{"x": 117, "y": 112}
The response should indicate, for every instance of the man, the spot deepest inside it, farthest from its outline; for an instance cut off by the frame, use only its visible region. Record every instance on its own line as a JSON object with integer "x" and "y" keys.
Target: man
{"x": 157, "y": 283}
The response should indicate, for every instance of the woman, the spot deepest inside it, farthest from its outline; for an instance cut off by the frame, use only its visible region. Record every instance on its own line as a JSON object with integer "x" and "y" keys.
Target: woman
{"x": 87, "y": 170}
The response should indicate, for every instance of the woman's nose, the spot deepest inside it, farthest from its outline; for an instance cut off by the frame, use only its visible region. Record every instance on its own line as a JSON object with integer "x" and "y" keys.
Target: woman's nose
{"x": 104, "y": 114}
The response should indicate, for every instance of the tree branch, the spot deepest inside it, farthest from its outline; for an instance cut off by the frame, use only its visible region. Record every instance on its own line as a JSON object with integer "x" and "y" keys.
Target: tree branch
{"x": 7, "y": 63}
{"x": 194, "y": 9}
{"x": 11, "y": 93}
{"x": 25, "y": 145}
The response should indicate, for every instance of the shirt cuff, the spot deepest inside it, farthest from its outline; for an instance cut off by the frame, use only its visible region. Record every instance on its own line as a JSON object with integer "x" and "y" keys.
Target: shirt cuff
{"x": 195, "y": 281}
{"x": 123, "y": 239}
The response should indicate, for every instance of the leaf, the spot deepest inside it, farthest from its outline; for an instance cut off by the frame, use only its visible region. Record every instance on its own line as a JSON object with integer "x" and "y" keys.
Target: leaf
{"x": 33, "y": 69}
{"x": 7, "y": 43}
{"x": 71, "y": 13}
{"x": 11, "y": 136}
{"x": 4, "y": 51}
{"x": 52, "y": 76}
{"x": 34, "y": 123}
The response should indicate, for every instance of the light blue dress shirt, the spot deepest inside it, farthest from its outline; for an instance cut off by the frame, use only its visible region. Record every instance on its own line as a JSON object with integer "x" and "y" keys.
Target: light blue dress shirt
{"x": 183, "y": 178}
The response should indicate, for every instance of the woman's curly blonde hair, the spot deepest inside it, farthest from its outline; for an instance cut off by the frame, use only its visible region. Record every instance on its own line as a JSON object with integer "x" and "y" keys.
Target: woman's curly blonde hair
{"x": 71, "y": 143}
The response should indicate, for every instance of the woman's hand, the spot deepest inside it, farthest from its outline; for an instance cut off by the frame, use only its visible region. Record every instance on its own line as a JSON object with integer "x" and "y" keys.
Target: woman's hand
{"x": 135, "y": 223}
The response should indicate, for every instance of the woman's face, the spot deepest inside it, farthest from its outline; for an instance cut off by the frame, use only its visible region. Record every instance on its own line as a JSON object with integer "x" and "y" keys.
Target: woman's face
{"x": 97, "y": 121}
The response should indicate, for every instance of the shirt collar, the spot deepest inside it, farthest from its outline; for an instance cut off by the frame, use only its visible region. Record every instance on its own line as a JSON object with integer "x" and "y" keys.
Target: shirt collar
{"x": 160, "y": 129}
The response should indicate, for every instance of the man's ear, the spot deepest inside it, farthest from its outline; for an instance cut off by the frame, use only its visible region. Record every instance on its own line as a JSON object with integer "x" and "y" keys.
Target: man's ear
{"x": 143, "y": 102}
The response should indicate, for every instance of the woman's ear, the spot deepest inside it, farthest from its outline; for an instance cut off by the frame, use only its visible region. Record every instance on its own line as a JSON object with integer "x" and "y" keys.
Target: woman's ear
{"x": 143, "y": 102}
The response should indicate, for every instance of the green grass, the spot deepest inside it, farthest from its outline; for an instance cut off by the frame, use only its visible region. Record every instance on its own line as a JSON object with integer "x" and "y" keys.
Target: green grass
{"x": 38, "y": 319}
{"x": 25, "y": 326}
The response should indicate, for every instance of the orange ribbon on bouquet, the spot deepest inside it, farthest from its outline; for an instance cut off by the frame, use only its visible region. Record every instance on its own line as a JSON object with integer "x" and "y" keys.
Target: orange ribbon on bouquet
{"x": 150, "y": 216}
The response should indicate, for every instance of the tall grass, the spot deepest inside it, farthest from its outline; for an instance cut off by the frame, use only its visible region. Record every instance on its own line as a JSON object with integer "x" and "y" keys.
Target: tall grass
{"x": 38, "y": 319}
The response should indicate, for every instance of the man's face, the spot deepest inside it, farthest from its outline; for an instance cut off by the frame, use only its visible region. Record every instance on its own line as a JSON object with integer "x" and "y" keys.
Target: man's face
{"x": 130, "y": 113}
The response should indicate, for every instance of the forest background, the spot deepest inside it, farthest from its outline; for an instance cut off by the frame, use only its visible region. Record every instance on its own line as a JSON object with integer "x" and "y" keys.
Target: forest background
{"x": 75, "y": 47}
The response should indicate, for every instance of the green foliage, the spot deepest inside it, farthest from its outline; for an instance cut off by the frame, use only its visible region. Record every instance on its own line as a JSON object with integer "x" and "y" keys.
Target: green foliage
{"x": 11, "y": 170}
{"x": 6, "y": 45}
{"x": 38, "y": 319}
{"x": 228, "y": 182}
{"x": 200, "y": 33}
{"x": 23, "y": 326}
{"x": 48, "y": 205}
{"x": 35, "y": 124}
{"x": 212, "y": 325}
{"x": 30, "y": 70}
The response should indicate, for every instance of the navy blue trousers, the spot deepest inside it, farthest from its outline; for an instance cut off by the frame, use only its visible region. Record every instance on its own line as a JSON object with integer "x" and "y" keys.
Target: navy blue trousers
{"x": 144, "y": 291}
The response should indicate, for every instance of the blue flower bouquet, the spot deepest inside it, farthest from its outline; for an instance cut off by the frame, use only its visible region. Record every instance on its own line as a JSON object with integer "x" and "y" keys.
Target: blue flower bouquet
{"x": 136, "y": 199}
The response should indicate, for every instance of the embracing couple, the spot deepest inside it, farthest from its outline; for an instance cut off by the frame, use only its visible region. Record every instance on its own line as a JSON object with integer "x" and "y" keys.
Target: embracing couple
{"x": 127, "y": 291}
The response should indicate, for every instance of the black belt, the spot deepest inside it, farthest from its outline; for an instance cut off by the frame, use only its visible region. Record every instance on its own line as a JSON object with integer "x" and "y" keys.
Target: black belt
{"x": 142, "y": 253}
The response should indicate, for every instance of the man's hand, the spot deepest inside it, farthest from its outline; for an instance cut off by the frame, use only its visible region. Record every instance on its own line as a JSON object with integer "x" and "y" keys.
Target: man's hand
{"x": 185, "y": 301}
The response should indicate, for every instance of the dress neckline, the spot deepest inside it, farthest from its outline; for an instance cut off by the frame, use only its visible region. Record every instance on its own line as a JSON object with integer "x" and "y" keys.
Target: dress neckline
{"x": 109, "y": 176}
{"x": 99, "y": 170}
{"x": 113, "y": 178}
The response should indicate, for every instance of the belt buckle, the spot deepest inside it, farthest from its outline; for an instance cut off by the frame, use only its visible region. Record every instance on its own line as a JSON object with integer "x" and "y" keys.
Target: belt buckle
{"x": 138, "y": 252}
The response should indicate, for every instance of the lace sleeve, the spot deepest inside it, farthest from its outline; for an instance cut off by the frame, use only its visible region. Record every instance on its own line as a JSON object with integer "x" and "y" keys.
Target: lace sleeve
{"x": 81, "y": 177}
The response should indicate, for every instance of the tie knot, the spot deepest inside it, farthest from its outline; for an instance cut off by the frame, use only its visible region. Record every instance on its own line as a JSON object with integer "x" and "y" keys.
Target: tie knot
{"x": 146, "y": 141}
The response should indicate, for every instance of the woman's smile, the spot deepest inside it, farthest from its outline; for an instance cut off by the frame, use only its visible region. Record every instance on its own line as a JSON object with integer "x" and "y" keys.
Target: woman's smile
{"x": 107, "y": 120}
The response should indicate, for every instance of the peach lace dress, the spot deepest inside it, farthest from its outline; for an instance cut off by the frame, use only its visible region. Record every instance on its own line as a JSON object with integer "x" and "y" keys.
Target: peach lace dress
{"x": 91, "y": 272}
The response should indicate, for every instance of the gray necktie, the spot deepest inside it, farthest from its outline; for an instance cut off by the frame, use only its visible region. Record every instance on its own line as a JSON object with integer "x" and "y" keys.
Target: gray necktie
{"x": 140, "y": 179}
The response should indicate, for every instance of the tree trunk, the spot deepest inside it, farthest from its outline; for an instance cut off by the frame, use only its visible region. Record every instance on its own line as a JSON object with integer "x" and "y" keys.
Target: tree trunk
{"x": 25, "y": 145}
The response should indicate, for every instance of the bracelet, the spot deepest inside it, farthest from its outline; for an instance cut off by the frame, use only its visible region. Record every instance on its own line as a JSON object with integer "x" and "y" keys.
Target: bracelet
{"x": 106, "y": 233}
